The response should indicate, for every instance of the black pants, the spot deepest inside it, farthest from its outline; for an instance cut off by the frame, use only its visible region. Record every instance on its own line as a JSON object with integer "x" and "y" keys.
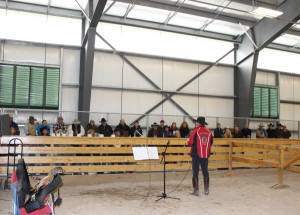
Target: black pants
{"x": 204, "y": 166}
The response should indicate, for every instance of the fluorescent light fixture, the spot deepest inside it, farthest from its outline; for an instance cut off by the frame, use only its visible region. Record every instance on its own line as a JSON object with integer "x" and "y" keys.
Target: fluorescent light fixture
{"x": 266, "y": 12}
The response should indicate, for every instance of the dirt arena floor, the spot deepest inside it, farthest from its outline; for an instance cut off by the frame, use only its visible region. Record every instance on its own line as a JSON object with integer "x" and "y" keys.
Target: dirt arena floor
{"x": 246, "y": 193}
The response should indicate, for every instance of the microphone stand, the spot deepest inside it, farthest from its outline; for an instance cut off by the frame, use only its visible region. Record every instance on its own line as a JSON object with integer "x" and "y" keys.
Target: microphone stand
{"x": 164, "y": 194}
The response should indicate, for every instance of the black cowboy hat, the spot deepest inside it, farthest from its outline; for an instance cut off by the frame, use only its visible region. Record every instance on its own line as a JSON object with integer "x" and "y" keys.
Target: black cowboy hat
{"x": 154, "y": 124}
{"x": 201, "y": 120}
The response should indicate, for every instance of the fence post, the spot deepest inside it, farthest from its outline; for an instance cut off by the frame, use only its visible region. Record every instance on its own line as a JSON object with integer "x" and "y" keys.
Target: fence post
{"x": 298, "y": 129}
{"x": 280, "y": 184}
{"x": 230, "y": 150}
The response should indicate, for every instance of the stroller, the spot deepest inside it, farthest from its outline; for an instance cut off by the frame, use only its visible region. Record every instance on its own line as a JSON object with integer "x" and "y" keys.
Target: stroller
{"x": 22, "y": 192}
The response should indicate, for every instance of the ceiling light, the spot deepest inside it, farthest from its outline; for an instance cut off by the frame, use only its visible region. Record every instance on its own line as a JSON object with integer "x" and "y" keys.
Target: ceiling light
{"x": 266, "y": 12}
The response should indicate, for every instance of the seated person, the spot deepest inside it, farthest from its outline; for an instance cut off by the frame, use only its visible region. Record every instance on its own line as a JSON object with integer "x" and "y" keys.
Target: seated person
{"x": 184, "y": 130}
{"x": 44, "y": 132}
{"x": 246, "y": 131}
{"x": 237, "y": 133}
{"x": 105, "y": 129}
{"x": 91, "y": 132}
{"x": 286, "y": 132}
{"x": 218, "y": 132}
{"x": 227, "y": 133}
{"x": 177, "y": 134}
{"x": 12, "y": 131}
{"x": 270, "y": 131}
{"x": 41, "y": 126}
{"x": 123, "y": 128}
{"x": 136, "y": 130}
{"x": 13, "y": 124}
{"x": 167, "y": 132}
{"x": 60, "y": 128}
{"x": 173, "y": 128}
{"x": 76, "y": 129}
{"x": 261, "y": 132}
{"x": 92, "y": 125}
{"x": 30, "y": 127}
{"x": 154, "y": 131}
{"x": 279, "y": 131}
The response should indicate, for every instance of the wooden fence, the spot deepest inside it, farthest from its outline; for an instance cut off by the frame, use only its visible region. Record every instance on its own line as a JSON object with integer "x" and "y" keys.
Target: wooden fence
{"x": 87, "y": 154}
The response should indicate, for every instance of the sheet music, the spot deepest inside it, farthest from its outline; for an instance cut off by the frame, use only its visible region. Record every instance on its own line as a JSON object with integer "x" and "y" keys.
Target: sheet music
{"x": 145, "y": 153}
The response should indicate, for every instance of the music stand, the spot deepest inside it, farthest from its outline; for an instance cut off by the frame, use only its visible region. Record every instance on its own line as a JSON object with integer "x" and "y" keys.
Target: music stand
{"x": 164, "y": 194}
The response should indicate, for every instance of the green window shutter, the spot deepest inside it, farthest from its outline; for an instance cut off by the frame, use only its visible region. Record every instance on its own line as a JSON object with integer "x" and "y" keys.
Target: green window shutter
{"x": 256, "y": 109}
{"x": 22, "y": 85}
{"x": 265, "y": 102}
{"x": 274, "y": 103}
{"x": 37, "y": 86}
{"x": 6, "y": 85}
{"x": 52, "y": 88}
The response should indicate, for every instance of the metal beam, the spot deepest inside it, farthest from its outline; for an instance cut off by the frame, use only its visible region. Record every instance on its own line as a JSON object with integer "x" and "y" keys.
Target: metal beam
{"x": 257, "y": 38}
{"x": 167, "y": 28}
{"x": 140, "y": 72}
{"x": 166, "y": 92}
{"x": 184, "y": 85}
{"x": 267, "y": 30}
{"x": 87, "y": 58}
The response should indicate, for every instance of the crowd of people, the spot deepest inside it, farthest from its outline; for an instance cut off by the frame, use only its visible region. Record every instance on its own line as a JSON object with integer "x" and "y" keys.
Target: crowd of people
{"x": 33, "y": 128}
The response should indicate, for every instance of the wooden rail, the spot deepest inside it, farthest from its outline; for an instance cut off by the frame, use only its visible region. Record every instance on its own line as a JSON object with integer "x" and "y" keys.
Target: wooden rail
{"x": 274, "y": 147}
{"x": 87, "y": 154}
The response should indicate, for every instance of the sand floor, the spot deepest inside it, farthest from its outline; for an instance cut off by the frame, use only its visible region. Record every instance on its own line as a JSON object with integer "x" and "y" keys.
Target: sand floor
{"x": 246, "y": 193}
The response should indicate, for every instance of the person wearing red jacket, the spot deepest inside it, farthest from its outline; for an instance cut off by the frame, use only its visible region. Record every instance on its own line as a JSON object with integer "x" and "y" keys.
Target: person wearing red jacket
{"x": 200, "y": 141}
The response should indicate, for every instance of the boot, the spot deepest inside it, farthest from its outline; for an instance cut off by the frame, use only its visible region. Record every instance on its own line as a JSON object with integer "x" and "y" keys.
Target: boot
{"x": 195, "y": 186}
{"x": 206, "y": 185}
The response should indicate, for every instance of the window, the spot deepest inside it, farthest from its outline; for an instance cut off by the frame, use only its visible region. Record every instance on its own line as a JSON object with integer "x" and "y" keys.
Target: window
{"x": 29, "y": 86}
{"x": 265, "y": 102}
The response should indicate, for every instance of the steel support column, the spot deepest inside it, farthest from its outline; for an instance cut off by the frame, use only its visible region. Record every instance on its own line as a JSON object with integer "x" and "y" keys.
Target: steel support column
{"x": 257, "y": 38}
{"x": 95, "y": 10}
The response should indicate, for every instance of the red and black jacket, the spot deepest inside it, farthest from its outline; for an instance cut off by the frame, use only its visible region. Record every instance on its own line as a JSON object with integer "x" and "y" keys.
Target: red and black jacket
{"x": 202, "y": 137}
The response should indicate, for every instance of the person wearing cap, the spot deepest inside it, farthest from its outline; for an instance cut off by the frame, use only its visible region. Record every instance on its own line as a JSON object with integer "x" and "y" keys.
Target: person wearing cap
{"x": 154, "y": 131}
{"x": 30, "y": 127}
{"x": 218, "y": 132}
{"x": 42, "y": 126}
{"x": 13, "y": 124}
{"x": 167, "y": 132}
{"x": 201, "y": 140}
{"x": 261, "y": 132}
{"x": 278, "y": 131}
{"x": 286, "y": 132}
{"x": 76, "y": 129}
{"x": 60, "y": 128}
{"x": 105, "y": 129}
{"x": 270, "y": 131}
{"x": 123, "y": 128}
{"x": 136, "y": 130}
{"x": 91, "y": 126}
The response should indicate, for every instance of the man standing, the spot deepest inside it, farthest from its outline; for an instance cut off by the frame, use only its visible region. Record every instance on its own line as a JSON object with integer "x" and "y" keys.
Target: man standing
{"x": 123, "y": 128}
{"x": 270, "y": 131}
{"x": 30, "y": 127}
{"x": 200, "y": 140}
{"x": 246, "y": 131}
{"x": 154, "y": 131}
{"x": 278, "y": 131}
{"x": 136, "y": 130}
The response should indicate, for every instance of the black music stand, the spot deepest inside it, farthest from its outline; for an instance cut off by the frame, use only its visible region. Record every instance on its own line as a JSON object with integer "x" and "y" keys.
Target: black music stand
{"x": 164, "y": 194}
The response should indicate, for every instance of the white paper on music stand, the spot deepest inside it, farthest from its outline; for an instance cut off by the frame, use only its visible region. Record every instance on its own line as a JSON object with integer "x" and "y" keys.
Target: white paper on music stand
{"x": 145, "y": 153}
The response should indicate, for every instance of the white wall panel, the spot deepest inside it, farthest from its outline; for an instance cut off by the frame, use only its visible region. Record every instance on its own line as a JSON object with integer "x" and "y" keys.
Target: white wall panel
{"x": 217, "y": 81}
{"x": 288, "y": 88}
{"x": 71, "y": 66}
{"x": 107, "y": 70}
{"x": 69, "y": 103}
{"x": 177, "y": 73}
{"x": 265, "y": 78}
{"x": 297, "y": 88}
{"x": 105, "y": 101}
{"x": 150, "y": 67}
{"x": 31, "y": 54}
